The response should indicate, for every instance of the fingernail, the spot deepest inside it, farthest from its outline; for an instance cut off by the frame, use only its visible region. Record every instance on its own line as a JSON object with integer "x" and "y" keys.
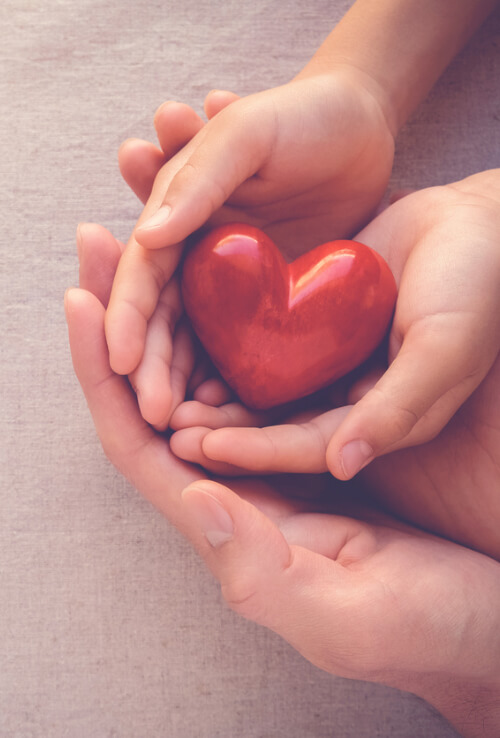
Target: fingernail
{"x": 354, "y": 456}
{"x": 157, "y": 220}
{"x": 211, "y": 517}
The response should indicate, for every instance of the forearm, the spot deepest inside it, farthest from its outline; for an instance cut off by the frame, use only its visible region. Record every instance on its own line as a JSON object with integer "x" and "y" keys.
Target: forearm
{"x": 402, "y": 46}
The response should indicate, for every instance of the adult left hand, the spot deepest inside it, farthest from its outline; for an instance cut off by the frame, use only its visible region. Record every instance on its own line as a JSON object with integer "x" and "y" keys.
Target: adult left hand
{"x": 361, "y": 596}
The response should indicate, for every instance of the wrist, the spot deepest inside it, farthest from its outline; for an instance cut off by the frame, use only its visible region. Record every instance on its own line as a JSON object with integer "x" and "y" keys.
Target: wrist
{"x": 371, "y": 94}
{"x": 472, "y": 707}
{"x": 401, "y": 47}
{"x": 466, "y": 690}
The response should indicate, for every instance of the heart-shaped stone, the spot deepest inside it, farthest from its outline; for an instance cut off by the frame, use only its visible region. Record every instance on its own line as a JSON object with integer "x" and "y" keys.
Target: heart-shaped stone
{"x": 279, "y": 331}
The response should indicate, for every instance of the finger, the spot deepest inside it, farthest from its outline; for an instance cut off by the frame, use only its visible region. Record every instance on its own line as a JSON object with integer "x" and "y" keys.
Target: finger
{"x": 139, "y": 281}
{"x": 201, "y": 173}
{"x": 140, "y": 278}
{"x": 99, "y": 253}
{"x": 233, "y": 414}
{"x": 213, "y": 391}
{"x": 140, "y": 162}
{"x": 128, "y": 441}
{"x": 217, "y": 100}
{"x": 228, "y": 150}
{"x": 183, "y": 363}
{"x": 152, "y": 378}
{"x": 205, "y": 384}
{"x": 141, "y": 275}
{"x": 291, "y": 447}
{"x": 432, "y": 375}
{"x": 311, "y": 600}
{"x": 187, "y": 445}
{"x": 176, "y": 123}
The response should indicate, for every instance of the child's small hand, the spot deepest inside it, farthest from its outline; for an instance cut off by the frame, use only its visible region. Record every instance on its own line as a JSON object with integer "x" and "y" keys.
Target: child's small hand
{"x": 442, "y": 245}
{"x": 308, "y": 161}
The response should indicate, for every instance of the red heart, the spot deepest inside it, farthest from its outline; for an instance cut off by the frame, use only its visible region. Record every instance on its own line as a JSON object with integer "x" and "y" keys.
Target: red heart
{"x": 277, "y": 332}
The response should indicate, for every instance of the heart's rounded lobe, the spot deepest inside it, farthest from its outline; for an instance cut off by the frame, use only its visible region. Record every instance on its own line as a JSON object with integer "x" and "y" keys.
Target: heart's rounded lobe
{"x": 279, "y": 331}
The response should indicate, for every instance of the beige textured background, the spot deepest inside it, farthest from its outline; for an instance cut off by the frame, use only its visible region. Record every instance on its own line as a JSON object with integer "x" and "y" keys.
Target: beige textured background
{"x": 109, "y": 624}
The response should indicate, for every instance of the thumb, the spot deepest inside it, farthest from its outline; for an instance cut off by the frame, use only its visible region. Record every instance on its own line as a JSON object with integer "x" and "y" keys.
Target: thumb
{"x": 216, "y": 100}
{"x": 296, "y": 592}
{"x": 226, "y": 152}
{"x": 435, "y": 371}
{"x": 242, "y": 547}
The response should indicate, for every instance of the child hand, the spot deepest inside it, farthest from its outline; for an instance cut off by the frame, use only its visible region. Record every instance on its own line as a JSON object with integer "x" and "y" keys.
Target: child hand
{"x": 308, "y": 161}
{"x": 442, "y": 245}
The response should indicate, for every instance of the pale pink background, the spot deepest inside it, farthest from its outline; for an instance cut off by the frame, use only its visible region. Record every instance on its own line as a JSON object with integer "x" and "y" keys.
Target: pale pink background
{"x": 109, "y": 623}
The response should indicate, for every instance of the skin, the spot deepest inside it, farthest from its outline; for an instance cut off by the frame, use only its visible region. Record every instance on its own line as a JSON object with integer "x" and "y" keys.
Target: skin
{"x": 297, "y": 565}
{"x": 307, "y": 161}
{"x": 261, "y": 190}
{"x": 464, "y": 222}
{"x": 433, "y": 475}
{"x": 329, "y": 575}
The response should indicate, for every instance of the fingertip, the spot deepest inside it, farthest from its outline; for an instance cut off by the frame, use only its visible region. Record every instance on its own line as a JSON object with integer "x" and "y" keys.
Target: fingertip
{"x": 187, "y": 442}
{"x": 208, "y": 513}
{"x": 216, "y": 100}
{"x": 176, "y": 124}
{"x": 155, "y": 407}
{"x": 151, "y": 232}
{"x": 187, "y": 445}
{"x": 68, "y": 297}
{"x": 215, "y": 443}
{"x": 345, "y": 455}
{"x": 213, "y": 392}
{"x": 136, "y": 151}
{"x": 126, "y": 144}
{"x": 151, "y": 382}
{"x": 78, "y": 301}
{"x": 354, "y": 456}
{"x": 240, "y": 448}
{"x": 124, "y": 345}
{"x": 161, "y": 109}
{"x": 70, "y": 303}
{"x": 175, "y": 108}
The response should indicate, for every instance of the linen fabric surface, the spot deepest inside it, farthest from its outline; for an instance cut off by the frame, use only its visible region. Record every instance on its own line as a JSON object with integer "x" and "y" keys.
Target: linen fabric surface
{"x": 110, "y": 626}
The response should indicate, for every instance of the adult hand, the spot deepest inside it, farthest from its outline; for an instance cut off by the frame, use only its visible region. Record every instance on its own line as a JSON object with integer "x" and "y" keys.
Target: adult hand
{"x": 337, "y": 588}
{"x": 366, "y": 600}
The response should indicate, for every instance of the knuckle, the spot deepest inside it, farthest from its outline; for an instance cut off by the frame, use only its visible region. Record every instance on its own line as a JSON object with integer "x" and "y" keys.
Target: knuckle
{"x": 111, "y": 451}
{"x": 398, "y": 419}
{"x": 243, "y": 595}
{"x": 156, "y": 271}
{"x": 253, "y": 592}
{"x": 194, "y": 177}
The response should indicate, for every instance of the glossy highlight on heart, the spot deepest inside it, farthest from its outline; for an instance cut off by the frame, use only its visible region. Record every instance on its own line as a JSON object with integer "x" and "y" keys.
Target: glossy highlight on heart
{"x": 278, "y": 331}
